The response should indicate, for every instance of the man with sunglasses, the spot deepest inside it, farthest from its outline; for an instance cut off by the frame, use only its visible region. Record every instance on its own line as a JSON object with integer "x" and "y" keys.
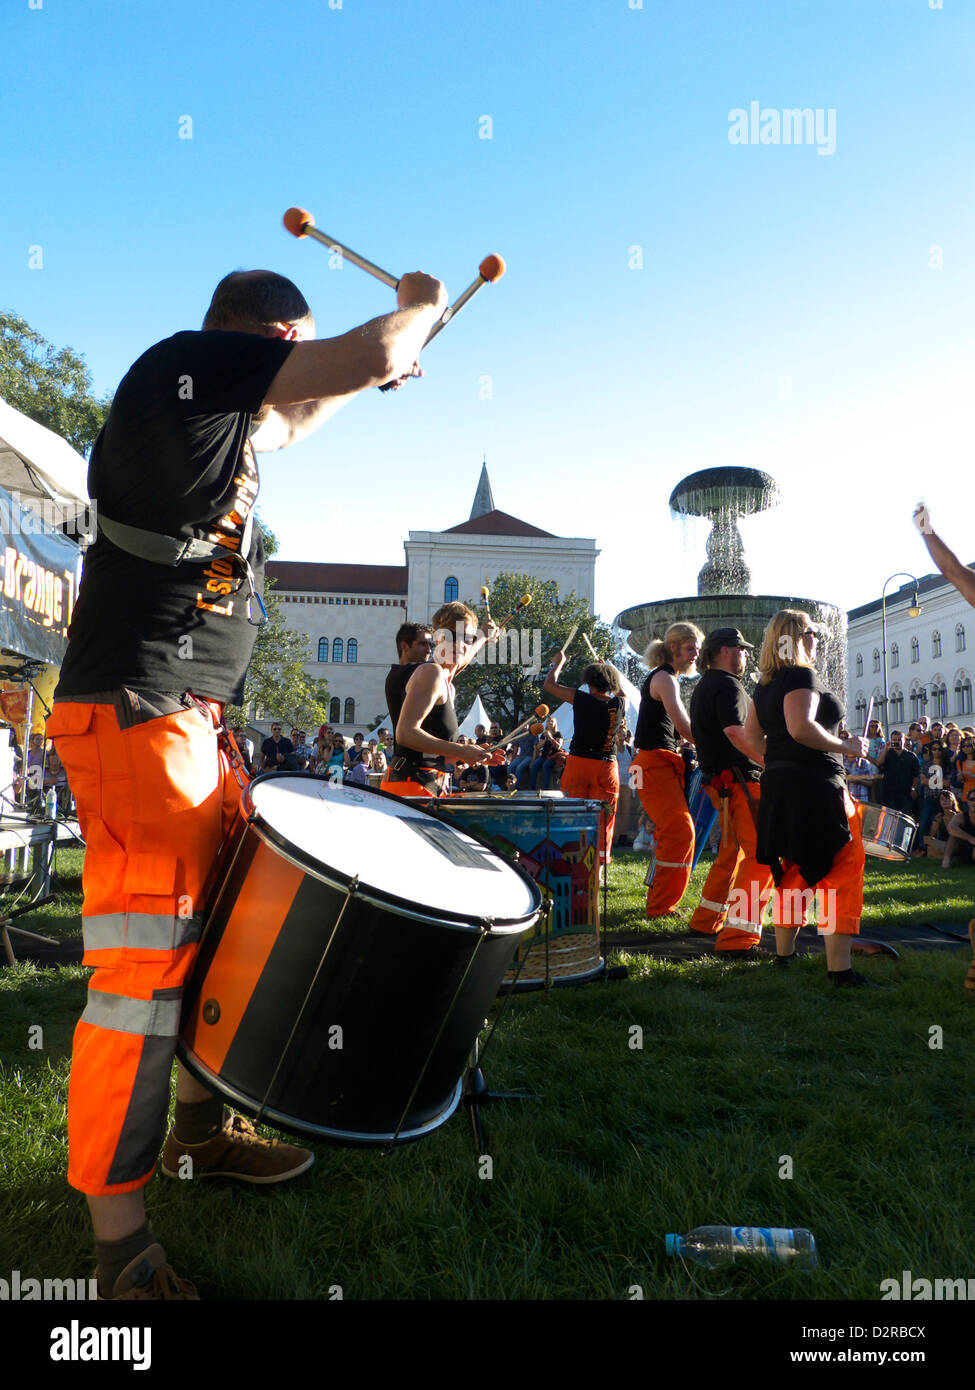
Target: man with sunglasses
{"x": 160, "y": 641}
{"x": 277, "y": 752}
{"x": 900, "y": 769}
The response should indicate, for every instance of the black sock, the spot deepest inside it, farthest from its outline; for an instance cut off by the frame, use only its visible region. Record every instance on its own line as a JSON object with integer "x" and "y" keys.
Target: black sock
{"x": 194, "y": 1122}
{"x": 112, "y": 1256}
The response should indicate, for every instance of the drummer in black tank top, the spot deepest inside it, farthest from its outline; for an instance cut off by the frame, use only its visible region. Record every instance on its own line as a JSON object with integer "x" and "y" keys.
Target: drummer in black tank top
{"x": 657, "y": 771}
{"x": 425, "y": 722}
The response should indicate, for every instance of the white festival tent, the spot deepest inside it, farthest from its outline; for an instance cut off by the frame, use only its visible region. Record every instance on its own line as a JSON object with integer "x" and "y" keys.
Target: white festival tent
{"x": 36, "y": 464}
{"x": 476, "y": 715}
{"x": 41, "y": 473}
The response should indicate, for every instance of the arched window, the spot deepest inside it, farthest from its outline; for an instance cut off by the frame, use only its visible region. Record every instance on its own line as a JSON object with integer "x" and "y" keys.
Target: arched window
{"x": 349, "y": 712}
{"x": 337, "y": 649}
{"x": 917, "y": 701}
{"x": 861, "y": 708}
{"x": 936, "y": 644}
{"x": 896, "y": 707}
{"x": 352, "y": 650}
{"x": 895, "y": 655}
{"x": 859, "y": 664}
{"x": 876, "y": 658}
{"x": 323, "y": 648}
{"x": 334, "y": 710}
{"x": 450, "y": 590}
{"x": 939, "y": 696}
{"x": 960, "y": 637}
{"x": 963, "y": 695}
{"x": 915, "y": 651}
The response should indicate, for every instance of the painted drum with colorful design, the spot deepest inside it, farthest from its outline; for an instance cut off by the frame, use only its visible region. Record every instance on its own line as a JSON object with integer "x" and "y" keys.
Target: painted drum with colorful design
{"x": 555, "y": 839}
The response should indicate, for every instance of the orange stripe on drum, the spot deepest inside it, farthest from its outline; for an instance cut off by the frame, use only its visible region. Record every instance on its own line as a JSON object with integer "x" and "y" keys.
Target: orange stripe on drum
{"x": 250, "y": 935}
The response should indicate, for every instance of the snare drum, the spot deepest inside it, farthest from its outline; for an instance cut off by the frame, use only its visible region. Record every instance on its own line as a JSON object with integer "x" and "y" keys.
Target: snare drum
{"x": 887, "y": 834}
{"x": 354, "y": 948}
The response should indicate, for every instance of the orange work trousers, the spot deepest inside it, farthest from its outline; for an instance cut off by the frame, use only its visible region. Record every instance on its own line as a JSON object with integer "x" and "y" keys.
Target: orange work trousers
{"x": 841, "y": 905}
{"x": 737, "y": 886}
{"x": 155, "y": 802}
{"x": 592, "y": 779}
{"x": 658, "y": 778}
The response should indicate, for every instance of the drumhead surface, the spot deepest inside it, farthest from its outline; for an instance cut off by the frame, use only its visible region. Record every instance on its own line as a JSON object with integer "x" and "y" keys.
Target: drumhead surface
{"x": 391, "y": 847}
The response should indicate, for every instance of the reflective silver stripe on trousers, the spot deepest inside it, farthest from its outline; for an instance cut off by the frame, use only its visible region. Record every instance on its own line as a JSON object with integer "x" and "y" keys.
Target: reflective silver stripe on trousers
{"x": 667, "y": 864}
{"x": 157, "y": 1018}
{"x": 714, "y": 907}
{"x": 143, "y": 931}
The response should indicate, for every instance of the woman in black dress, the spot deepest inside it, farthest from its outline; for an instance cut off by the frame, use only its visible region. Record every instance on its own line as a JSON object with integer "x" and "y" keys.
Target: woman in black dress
{"x": 808, "y": 825}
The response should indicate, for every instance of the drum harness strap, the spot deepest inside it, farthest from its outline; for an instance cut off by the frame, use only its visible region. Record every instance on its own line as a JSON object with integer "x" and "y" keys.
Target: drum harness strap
{"x": 740, "y": 776}
{"x": 169, "y": 550}
{"x": 408, "y": 770}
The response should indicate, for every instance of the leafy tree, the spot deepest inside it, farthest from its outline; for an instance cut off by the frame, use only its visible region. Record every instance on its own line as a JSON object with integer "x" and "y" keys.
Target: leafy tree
{"x": 50, "y": 385}
{"x": 509, "y": 675}
{"x": 276, "y": 680}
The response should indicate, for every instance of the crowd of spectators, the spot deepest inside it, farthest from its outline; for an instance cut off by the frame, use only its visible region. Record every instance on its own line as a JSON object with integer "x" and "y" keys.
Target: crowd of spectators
{"x": 533, "y": 762}
{"x": 928, "y": 774}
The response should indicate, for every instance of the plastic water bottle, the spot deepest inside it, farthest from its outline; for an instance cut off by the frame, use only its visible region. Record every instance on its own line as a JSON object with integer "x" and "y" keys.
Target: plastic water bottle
{"x": 712, "y": 1246}
{"x": 51, "y": 803}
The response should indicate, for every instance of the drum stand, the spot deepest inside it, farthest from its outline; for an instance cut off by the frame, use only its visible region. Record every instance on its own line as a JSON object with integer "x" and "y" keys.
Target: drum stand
{"x": 477, "y": 1093}
{"x": 6, "y": 929}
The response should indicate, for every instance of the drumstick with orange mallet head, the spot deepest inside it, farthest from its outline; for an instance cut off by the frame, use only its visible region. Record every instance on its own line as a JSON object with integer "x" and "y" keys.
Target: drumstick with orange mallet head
{"x": 300, "y": 223}
{"x": 541, "y": 712}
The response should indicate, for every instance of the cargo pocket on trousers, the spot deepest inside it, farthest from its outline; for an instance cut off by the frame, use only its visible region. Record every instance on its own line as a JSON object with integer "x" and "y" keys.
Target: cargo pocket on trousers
{"x": 152, "y": 922}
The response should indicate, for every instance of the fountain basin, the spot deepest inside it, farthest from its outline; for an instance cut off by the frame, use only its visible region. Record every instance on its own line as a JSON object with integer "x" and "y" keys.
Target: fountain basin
{"x": 750, "y": 613}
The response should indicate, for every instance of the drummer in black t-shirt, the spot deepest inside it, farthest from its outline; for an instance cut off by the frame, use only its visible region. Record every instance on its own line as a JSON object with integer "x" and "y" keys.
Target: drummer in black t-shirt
{"x": 808, "y": 825}
{"x": 732, "y": 897}
{"x": 159, "y": 641}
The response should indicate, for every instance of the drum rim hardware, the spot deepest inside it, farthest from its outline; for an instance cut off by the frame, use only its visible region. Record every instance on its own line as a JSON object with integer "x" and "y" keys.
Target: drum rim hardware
{"x": 381, "y": 897}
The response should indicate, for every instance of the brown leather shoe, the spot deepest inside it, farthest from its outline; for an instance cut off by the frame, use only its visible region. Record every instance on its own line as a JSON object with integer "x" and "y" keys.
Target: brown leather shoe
{"x": 149, "y": 1276}
{"x": 238, "y": 1151}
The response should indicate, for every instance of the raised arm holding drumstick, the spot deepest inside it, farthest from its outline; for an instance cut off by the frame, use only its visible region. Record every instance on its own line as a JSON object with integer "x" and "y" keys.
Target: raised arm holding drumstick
{"x": 946, "y": 560}
{"x": 591, "y": 770}
{"x": 963, "y": 580}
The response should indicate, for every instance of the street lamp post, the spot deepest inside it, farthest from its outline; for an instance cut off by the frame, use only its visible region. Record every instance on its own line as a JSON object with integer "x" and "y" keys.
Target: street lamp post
{"x": 914, "y": 611}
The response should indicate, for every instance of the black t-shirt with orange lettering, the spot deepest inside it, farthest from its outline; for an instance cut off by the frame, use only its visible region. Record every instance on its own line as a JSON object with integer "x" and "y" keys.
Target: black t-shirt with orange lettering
{"x": 174, "y": 457}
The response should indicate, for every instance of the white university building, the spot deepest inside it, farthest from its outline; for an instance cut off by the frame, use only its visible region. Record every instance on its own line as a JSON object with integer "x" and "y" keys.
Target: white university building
{"x": 350, "y": 613}
{"x": 930, "y": 658}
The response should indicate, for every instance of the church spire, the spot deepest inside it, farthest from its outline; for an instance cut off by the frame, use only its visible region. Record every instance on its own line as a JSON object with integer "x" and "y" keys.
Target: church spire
{"x": 483, "y": 501}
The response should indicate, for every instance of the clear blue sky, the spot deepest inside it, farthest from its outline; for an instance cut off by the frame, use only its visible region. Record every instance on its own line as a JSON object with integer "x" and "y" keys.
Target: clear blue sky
{"x": 786, "y": 316}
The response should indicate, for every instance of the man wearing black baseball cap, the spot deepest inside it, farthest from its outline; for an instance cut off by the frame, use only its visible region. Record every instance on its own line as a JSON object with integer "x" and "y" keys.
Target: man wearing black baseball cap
{"x": 731, "y": 767}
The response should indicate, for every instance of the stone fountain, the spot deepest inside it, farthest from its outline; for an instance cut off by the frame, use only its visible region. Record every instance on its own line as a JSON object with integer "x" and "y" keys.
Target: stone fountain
{"x": 724, "y": 597}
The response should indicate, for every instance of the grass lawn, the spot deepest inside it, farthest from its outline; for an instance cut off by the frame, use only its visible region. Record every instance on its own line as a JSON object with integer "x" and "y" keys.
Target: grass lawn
{"x": 690, "y": 1094}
